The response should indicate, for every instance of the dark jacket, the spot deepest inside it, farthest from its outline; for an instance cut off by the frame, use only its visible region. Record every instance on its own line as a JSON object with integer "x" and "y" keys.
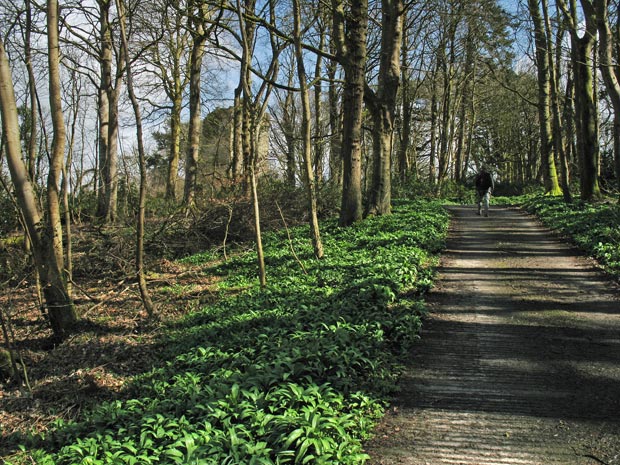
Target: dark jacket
{"x": 484, "y": 181}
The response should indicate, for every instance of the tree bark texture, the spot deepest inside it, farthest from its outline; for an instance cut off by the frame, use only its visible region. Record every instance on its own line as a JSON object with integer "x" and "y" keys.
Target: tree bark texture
{"x": 559, "y": 141}
{"x": 108, "y": 130}
{"x": 352, "y": 55}
{"x": 60, "y": 306}
{"x": 549, "y": 171}
{"x": 383, "y": 107}
{"x": 585, "y": 98}
{"x": 195, "y": 117}
{"x": 175, "y": 148}
{"x": 335, "y": 124}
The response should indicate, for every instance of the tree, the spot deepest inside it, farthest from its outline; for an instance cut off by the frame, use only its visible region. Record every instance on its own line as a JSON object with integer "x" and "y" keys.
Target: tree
{"x": 309, "y": 176}
{"x": 544, "y": 67}
{"x": 609, "y": 69}
{"x": 350, "y": 30}
{"x": 167, "y": 60}
{"x": 335, "y": 119}
{"x": 559, "y": 141}
{"x": 382, "y": 106}
{"x": 109, "y": 94}
{"x": 585, "y": 98}
{"x": 45, "y": 234}
{"x": 250, "y": 106}
{"x": 144, "y": 293}
{"x": 287, "y": 124}
{"x": 198, "y": 13}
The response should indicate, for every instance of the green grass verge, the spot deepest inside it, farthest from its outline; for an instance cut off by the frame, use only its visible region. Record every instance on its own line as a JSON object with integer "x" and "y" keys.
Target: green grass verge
{"x": 593, "y": 227}
{"x": 295, "y": 373}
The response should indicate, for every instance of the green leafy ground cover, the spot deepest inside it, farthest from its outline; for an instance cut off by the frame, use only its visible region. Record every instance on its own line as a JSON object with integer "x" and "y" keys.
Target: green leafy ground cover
{"x": 296, "y": 373}
{"x": 594, "y": 227}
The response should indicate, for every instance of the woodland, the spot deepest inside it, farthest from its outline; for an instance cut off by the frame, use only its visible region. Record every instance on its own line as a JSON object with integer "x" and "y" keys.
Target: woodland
{"x": 219, "y": 218}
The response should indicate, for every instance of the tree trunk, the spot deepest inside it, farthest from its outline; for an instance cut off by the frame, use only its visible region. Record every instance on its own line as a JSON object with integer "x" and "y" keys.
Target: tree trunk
{"x": 32, "y": 93}
{"x": 141, "y": 275}
{"x": 609, "y": 72}
{"x": 467, "y": 96}
{"x": 383, "y": 107}
{"x": 112, "y": 157}
{"x": 288, "y": 128}
{"x": 195, "y": 120}
{"x": 335, "y": 125}
{"x": 65, "y": 186}
{"x": 585, "y": 98}
{"x": 108, "y": 142}
{"x": 175, "y": 148}
{"x": 406, "y": 104}
{"x": 306, "y": 133}
{"x": 585, "y": 106}
{"x": 105, "y": 62}
{"x": 544, "y": 102}
{"x": 60, "y": 307}
{"x": 254, "y": 106}
{"x": 262, "y": 273}
{"x": 352, "y": 55}
{"x": 402, "y": 167}
{"x": 554, "y": 81}
{"x": 447, "y": 106}
{"x": 470, "y": 132}
{"x": 236, "y": 162}
{"x": 432, "y": 175}
{"x": 444, "y": 130}
{"x": 319, "y": 144}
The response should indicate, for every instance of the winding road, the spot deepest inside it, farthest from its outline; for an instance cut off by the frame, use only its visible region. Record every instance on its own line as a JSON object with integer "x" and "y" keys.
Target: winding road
{"x": 519, "y": 360}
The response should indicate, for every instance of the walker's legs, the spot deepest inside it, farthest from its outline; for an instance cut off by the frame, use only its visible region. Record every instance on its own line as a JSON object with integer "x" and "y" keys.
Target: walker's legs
{"x": 485, "y": 201}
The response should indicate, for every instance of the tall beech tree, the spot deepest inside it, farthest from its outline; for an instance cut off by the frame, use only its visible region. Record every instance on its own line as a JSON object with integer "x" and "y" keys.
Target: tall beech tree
{"x": 582, "y": 48}
{"x": 198, "y": 13}
{"x": 109, "y": 95}
{"x": 45, "y": 231}
{"x": 447, "y": 54}
{"x": 544, "y": 66}
{"x": 335, "y": 118}
{"x": 382, "y": 106}
{"x": 350, "y": 28}
{"x": 60, "y": 305}
{"x": 555, "y": 59}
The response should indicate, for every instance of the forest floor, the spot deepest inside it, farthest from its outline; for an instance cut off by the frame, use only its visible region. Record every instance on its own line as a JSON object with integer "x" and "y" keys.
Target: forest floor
{"x": 114, "y": 342}
{"x": 519, "y": 359}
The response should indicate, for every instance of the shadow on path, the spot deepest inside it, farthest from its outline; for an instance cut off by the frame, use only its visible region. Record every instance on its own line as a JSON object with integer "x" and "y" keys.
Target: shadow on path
{"x": 519, "y": 361}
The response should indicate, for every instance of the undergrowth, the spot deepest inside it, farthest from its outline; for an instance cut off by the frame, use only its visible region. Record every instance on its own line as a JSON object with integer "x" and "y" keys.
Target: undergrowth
{"x": 294, "y": 373}
{"x": 594, "y": 227}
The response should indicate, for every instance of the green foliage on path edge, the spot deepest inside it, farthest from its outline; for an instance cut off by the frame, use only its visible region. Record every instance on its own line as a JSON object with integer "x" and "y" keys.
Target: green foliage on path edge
{"x": 295, "y": 373}
{"x": 593, "y": 227}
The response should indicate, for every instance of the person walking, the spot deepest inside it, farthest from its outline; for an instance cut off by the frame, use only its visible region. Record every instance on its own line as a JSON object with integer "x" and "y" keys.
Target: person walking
{"x": 484, "y": 188}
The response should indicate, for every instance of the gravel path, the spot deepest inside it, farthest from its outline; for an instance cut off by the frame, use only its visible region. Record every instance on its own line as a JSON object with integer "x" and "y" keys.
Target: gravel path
{"x": 519, "y": 361}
